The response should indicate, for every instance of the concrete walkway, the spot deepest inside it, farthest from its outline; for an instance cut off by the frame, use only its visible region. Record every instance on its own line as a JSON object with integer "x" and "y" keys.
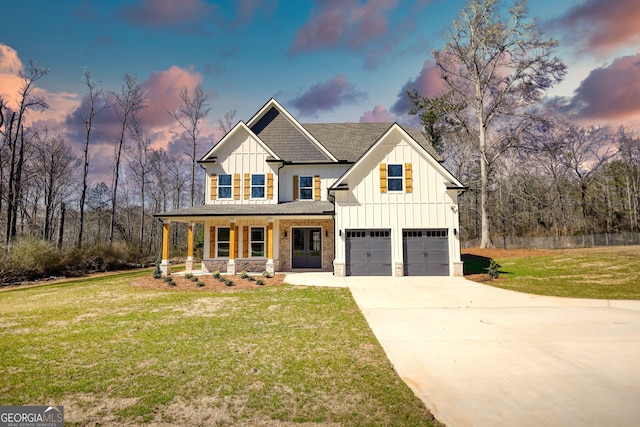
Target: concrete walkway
{"x": 482, "y": 356}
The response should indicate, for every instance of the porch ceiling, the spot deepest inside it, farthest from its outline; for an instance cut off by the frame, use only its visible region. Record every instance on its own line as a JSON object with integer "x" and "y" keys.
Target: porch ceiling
{"x": 306, "y": 207}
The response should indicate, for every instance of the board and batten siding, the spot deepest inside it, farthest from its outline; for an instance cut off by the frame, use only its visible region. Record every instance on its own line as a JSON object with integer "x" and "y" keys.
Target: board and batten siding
{"x": 328, "y": 175}
{"x": 366, "y": 206}
{"x": 241, "y": 155}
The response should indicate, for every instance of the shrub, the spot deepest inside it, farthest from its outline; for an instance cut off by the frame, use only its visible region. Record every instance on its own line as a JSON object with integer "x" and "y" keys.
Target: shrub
{"x": 188, "y": 275}
{"x": 260, "y": 282}
{"x": 199, "y": 284}
{"x": 216, "y": 274}
{"x": 251, "y": 278}
{"x": 157, "y": 273}
{"x": 492, "y": 270}
{"x": 266, "y": 274}
{"x": 193, "y": 278}
{"x": 32, "y": 259}
{"x": 228, "y": 282}
{"x": 244, "y": 275}
{"x": 169, "y": 281}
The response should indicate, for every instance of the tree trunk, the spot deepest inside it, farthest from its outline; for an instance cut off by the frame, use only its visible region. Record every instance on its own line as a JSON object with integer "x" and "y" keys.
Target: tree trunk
{"x": 61, "y": 229}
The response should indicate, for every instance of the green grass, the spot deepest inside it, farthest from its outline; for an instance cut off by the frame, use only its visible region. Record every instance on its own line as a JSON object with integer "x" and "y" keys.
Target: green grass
{"x": 114, "y": 354}
{"x": 602, "y": 273}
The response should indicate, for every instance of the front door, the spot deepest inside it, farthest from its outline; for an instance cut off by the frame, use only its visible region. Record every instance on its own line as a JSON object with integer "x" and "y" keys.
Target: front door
{"x": 307, "y": 244}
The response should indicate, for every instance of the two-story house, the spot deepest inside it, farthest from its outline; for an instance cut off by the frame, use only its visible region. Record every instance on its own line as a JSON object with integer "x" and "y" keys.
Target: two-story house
{"x": 352, "y": 198}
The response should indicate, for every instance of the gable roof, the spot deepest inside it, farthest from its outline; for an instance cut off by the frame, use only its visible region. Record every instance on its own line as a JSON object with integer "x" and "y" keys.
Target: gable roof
{"x": 349, "y": 141}
{"x": 286, "y": 136}
{"x": 239, "y": 127}
{"x": 452, "y": 182}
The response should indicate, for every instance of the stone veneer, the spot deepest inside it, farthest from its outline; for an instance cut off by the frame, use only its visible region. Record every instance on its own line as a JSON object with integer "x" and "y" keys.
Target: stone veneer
{"x": 328, "y": 243}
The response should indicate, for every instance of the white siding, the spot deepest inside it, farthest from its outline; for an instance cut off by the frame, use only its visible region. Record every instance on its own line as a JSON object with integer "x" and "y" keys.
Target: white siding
{"x": 429, "y": 205}
{"x": 242, "y": 154}
{"x": 328, "y": 175}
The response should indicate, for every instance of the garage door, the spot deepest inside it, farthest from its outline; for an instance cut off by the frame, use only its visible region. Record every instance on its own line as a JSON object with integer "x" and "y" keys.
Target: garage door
{"x": 368, "y": 252}
{"x": 426, "y": 252}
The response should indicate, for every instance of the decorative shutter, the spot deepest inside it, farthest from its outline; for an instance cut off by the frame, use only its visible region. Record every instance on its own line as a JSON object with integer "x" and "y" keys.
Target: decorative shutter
{"x": 296, "y": 191}
{"x": 247, "y": 186}
{"x": 269, "y": 186}
{"x": 236, "y": 186}
{"x": 245, "y": 242}
{"x": 237, "y": 249}
{"x": 383, "y": 177}
{"x": 316, "y": 187}
{"x": 212, "y": 242}
{"x": 408, "y": 179}
{"x": 214, "y": 186}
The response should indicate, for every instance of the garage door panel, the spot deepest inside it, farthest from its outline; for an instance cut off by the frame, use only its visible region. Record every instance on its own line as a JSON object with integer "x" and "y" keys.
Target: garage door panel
{"x": 368, "y": 253}
{"x": 426, "y": 252}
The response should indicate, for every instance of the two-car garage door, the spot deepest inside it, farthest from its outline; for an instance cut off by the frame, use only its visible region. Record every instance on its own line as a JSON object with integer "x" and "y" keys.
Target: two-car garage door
{"x": 425, "y": 252}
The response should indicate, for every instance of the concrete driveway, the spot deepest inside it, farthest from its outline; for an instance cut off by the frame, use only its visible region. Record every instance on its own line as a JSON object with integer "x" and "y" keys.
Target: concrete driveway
{"x": 482, "y": 356}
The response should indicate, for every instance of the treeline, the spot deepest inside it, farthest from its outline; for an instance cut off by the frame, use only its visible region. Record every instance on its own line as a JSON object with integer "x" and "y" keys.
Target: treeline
{"x": 563, "y": 180}
{"x": 46, "y": 193}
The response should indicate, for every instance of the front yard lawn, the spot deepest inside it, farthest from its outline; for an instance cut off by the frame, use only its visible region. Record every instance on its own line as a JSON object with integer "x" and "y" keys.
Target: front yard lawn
{"x": 116, "y": 354}
{"x": 603, "y": 272}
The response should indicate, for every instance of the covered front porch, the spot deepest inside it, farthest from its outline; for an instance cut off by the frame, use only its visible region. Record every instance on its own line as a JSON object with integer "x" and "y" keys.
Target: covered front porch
{"x": 257, "y": 244}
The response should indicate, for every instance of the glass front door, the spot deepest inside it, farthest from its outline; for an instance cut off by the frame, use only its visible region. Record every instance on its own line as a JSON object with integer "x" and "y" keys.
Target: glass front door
{"x": 307, "y": 248}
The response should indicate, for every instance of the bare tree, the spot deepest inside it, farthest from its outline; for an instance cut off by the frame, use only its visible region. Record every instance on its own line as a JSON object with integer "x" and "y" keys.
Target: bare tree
{"x": 12, "y": 129}
{"x": 189, "y": 114}
{"x": 57, "y": 166}
{"x": 140, "y": 164}
{"x": 226, "y": 123}
{"x": 497, "y": 64}
{"x": 94, "y": 106}
{"x": 125, "y": 106}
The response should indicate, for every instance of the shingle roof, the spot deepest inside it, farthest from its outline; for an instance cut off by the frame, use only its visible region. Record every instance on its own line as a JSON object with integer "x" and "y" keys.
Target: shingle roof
{"x": 286, "y": 140}
{"x": 349, "y": 141}
{"x": 306, "y": 207}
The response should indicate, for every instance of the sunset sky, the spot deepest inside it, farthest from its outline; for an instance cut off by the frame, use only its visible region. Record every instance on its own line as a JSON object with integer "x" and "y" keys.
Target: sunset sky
{"x": 325, "y": 61}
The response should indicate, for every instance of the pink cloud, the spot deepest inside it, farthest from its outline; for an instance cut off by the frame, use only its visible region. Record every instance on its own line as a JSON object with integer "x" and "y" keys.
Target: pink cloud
{"x": 9, "y": 61}
{"x": 167, "y": 13}
{"x": 611, "y": 93}
{"x": 326, "y": 96}
{"x": 346, "y": 23}
{"x": 379, "y": 114}
{"x": 601, "y": 26}
{"x": 428, "y": 83}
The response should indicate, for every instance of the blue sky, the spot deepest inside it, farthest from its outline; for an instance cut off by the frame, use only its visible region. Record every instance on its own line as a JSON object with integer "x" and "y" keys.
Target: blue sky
{"x": 325, "y": 61}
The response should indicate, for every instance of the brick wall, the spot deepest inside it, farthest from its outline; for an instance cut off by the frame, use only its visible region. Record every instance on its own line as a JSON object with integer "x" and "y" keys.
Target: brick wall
{"x": 328, "y": 241}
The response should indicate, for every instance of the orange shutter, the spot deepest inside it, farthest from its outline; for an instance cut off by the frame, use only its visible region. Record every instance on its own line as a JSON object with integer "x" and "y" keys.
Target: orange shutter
{"x": 316, "y": 187}
{"x": 214, "y": 186}
{"x": 269, "y": 186}
{"x": 245, "y": 242}
{"x": 383, "y": 177}
{"x": 295, "y": 187}
{"x": 408, "y": 180}
{"x": 247, "y": 186}
{"x": 212, "y": 242}
{"x": 236, "y": 186}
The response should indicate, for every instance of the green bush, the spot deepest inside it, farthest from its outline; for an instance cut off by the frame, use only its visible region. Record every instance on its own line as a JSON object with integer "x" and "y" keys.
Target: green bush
{"x": 216, "y": 274}
{"x": 492, "y": 270}
{"x": 244, "y": 275}
{"x": 199, "y": 284}
{"x": 260, "y": 282}
{"x": 266, "y": 274}
{"x": 31, "y": 259}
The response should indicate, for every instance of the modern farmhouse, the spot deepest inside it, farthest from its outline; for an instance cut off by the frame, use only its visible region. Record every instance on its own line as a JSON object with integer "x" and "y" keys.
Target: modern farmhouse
{"x": 352, "y": 198}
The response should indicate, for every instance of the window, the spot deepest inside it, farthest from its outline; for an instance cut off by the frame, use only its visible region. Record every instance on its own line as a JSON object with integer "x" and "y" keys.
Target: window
{"x": 257, "y": 242}
{"x": 306, "y": 187}
{"x": 257, "y": 186}
{"x": 394, "y": 177}
{"x": 224, "y": 186}
{"x": 223, "y": 242}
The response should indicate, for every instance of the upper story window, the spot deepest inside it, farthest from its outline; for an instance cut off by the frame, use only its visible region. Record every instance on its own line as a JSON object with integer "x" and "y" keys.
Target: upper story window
{"x": 257, "y": 186}
{"x": 306, "y": 188}
{"x": 224, "y": 234}
{"x": 394, "y": 177}
{"x": 224, "y": 186}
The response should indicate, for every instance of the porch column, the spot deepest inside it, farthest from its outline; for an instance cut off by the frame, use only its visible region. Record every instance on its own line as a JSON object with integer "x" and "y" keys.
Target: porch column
{"x": 166, "y": 232}
{"x": 189, "y": 264}
{"x": 270, "y": 267}
{"x": 231, "y": 266}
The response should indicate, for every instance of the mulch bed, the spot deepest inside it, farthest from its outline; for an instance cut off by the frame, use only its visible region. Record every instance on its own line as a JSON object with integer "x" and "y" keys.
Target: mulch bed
{"x": 210, "y": 283}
